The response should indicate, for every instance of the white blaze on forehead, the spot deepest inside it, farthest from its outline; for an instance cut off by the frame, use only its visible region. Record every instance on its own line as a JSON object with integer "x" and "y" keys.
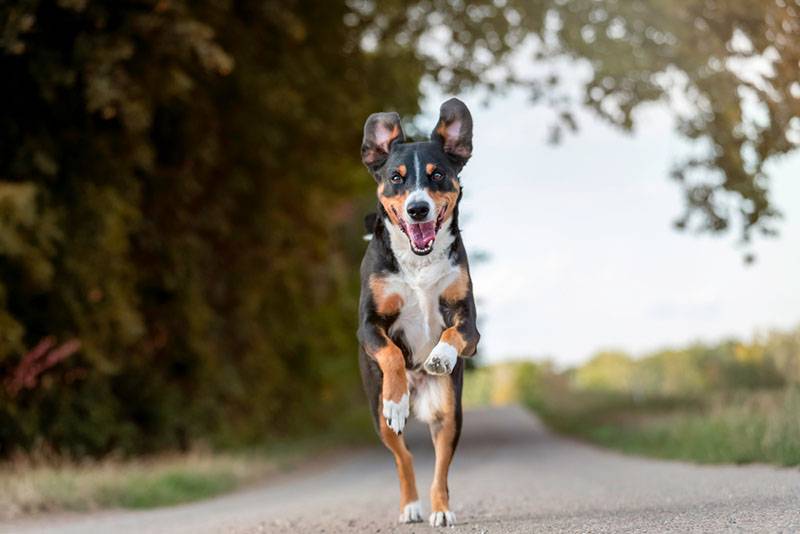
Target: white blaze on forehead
{"x": 418, "y": 169}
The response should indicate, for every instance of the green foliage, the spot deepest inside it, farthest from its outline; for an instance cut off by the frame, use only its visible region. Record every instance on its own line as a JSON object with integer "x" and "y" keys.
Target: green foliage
{"x": 768, "y": 361}
{"x": 181, "y": 191}
{"x": 170, "y": 488}
{"x": 700, "y": 56}
{"x": 732, "y": 402}
{"x": 181, "y": 195}
{"x": 735, "y": 427}
{"x": 31, "y": 484}
{"x": 606, "y": 370}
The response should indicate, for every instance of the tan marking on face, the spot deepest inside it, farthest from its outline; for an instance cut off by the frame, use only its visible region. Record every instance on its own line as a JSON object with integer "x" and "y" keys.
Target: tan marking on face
{"x": 453, "y": 337}
{"x": 445, "y": 431}
{"x": 448, "y": 198}
{"x": 402, "y": 169}
{"x": 458, "y": 289}
{"x": 385, "y": 303}
{"x": 393, "y": 205}
{"x": 429, "y": 168}
{"x": 393, "y": 366}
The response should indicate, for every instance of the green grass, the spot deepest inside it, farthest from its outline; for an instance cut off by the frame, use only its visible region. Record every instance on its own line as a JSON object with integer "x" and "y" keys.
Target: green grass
{"x": 30, "y": 485}
{"x": 731, "y": 427}
{"x": 728, "y": 425}
{"x": 170, "y": 488}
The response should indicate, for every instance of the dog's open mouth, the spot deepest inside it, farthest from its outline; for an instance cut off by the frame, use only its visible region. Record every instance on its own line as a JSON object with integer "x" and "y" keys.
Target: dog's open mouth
{"x": 423, "y": 234}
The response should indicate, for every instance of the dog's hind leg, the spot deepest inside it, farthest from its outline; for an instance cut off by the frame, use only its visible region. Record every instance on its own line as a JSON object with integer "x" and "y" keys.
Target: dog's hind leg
{"x": 410, "y": 511}
{"x": 445, "y": 429}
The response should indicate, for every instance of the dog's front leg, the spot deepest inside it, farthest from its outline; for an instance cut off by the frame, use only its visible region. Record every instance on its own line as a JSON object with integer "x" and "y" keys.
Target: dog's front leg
{"x": 394, "y": 386}
{"x": 460, "y": 339}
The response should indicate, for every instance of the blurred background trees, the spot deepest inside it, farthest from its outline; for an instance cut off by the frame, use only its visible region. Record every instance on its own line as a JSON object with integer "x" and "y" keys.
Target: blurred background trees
{"x": 728, "y": 70}
{"x": 181, "y": 195}
{"x": 734, "y": 401}
{"x": 177, "y": 185}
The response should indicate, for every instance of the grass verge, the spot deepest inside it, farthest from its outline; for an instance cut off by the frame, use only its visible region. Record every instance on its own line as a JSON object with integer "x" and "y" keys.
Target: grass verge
{"x": 728, "y": 426}
{"x": 731, "y": 427}
{"x": 31, "y": 485}
{"x": 28, "y": 487}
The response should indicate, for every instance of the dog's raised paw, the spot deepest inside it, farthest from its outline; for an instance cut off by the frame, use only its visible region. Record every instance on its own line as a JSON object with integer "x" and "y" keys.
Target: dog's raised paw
{"x": 443, "y": 519}
{"x": 396, "y": 413}
{"x": 442, "y": 359}
{"x": 412, "y": 513}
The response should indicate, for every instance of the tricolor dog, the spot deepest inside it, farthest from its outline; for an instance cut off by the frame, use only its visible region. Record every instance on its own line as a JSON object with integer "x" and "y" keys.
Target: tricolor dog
{"x": 417, "y": 312}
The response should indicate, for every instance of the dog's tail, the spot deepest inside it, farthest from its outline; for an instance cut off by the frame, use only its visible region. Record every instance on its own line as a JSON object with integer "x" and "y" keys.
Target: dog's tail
{"x": 370, "y": 220}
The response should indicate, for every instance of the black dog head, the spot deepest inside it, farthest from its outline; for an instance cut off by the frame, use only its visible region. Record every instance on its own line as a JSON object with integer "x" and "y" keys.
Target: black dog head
{"x": 418, "y": 184}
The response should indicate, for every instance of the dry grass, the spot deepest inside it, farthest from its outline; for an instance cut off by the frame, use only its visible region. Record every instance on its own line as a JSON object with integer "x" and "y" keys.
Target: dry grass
{"x": 730, "y": 426}
{"x": 28, "y": 486}
{"x": 42, "y": 482}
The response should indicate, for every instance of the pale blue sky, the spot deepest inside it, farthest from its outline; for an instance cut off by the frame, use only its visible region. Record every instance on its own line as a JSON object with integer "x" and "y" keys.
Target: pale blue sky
{"x": 583, "y": 254}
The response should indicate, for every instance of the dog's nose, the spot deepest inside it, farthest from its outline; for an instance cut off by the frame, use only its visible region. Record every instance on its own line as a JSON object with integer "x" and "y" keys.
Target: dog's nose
{"x": 418, "y": 210}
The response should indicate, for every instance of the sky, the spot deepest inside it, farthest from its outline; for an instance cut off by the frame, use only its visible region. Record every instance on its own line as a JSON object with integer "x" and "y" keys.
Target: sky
{"x": 582, "y": 252}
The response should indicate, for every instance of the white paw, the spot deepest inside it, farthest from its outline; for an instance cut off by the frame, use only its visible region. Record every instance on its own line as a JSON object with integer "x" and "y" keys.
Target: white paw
{"x": 412, "y": 513}
{"x": 442, "y": 519}
{"x": 442, "y": 359}
{"x": 396, "y": 413}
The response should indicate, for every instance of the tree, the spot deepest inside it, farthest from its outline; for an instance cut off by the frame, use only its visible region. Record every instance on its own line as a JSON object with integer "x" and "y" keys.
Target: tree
{"x": 701, "y": 57}
{"x": 177, "y": 195}
{"x": 181, "y": 191}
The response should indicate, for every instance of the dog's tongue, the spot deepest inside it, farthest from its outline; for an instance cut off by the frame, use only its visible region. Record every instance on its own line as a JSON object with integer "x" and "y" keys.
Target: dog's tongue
{"x": 422, "y": 234}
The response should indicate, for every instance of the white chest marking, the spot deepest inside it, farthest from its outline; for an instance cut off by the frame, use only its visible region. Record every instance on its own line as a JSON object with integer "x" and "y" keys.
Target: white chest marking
{"x": 419, "y": 282}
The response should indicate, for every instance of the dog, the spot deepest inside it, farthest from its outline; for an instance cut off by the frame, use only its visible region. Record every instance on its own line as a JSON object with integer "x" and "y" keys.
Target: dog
{"x": 416, "y": 310}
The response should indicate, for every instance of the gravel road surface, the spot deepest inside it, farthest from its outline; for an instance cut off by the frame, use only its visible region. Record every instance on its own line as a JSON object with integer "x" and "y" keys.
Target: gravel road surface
{"x": 509, "y": 475}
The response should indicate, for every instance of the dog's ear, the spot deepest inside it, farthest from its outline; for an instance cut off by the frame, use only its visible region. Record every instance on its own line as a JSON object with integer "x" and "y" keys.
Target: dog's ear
{"x": 381, "y": 131}
{"x": 454, "y": 130}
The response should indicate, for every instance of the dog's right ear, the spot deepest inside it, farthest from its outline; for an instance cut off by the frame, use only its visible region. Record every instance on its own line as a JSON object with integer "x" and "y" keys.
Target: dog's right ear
{"x": 381, "y": 131}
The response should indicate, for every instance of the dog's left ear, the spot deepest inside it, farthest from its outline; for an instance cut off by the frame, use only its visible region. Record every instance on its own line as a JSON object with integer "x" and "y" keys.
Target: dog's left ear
{"x": 454, "y": 130}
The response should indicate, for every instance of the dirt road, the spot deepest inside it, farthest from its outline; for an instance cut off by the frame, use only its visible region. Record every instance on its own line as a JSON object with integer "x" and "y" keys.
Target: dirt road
{"x": 509, "y": 475}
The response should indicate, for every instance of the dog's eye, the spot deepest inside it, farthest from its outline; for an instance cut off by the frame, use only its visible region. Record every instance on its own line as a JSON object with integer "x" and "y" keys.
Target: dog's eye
{"x": 436, "y": 175}
{"x": 396, "y": 178}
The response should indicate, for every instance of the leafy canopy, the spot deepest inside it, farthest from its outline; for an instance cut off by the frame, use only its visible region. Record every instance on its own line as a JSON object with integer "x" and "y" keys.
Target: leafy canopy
{"x": 181, "y": 192}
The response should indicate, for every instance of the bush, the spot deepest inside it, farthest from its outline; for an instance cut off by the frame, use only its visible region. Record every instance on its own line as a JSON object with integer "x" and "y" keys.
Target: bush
{"x": 180, "y": 220}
